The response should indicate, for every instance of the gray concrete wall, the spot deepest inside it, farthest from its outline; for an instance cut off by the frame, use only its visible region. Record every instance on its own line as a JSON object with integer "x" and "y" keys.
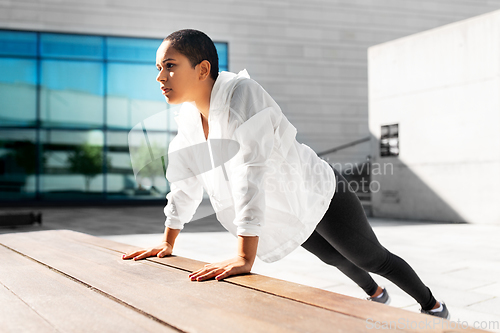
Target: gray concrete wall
{"x": 442, "y": 87}
{"x": 310, "y": 55}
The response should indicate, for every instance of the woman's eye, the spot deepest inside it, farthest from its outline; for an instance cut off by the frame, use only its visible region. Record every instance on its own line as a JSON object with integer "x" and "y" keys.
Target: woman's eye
{"x": 169, "y": 65}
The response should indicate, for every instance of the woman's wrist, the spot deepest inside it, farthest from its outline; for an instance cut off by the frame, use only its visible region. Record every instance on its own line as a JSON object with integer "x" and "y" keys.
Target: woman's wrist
{"x": 165, "y": 243}
{"x": 247, "y": 248}
{"x": 170, "y": 236}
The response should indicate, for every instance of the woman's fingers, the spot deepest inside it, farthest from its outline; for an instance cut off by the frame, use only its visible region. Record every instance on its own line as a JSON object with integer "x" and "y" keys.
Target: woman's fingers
{"x": 199, "y": 272}
{"x": 145, "y": 254}
{"x": 140, "y": 254}
{"x": 222, "y": 270}
{"x": 224, "y": 275}
{"x": 196, "y": 273}
{"x": 206, "y": 273}
{"x": 132, "y": 254}
{"x": 160, "y": 251}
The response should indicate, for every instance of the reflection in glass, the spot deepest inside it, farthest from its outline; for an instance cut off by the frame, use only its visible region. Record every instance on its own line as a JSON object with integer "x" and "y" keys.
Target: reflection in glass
{"x": 17, "y": 92}
{"x": 17, "y": 164}
{"x": 73, "y": 164}
{"x": 389, "y": 140}
{"x": 120, "y": 180}
{"x": 120, "y": 176}
{"x": 132, "y": 94}
{"x": 394, "y": 130}
{"x": 149, "y": 154}
{"x": 71, "y": 93}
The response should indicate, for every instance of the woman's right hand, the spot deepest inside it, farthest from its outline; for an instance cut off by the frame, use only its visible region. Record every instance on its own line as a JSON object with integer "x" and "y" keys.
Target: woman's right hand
{"x": 162, "y": 250}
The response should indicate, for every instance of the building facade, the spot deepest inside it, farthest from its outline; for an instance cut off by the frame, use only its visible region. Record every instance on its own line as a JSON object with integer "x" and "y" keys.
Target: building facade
{"x": 434, "y": 115}
{"x": 310, "y": 56}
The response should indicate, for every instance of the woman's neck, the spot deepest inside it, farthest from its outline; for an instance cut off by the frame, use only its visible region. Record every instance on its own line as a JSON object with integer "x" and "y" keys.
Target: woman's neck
{"x": 203, "y": 102}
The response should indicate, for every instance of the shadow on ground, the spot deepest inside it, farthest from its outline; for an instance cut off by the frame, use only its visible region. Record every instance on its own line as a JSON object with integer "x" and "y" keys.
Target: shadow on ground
{"x": 102, "y": 221}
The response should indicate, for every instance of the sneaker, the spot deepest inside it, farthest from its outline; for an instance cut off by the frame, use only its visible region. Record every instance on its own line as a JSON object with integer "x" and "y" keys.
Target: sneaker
{"x": 382, "y": 298}
{"x": 443, "y": 313}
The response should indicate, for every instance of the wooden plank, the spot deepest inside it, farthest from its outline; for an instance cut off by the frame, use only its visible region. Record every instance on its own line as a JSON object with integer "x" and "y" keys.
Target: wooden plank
{"x": 324, "y": 299}
{"x": 71, "y": 247}
{"x": 16, "y": 316}
{"x": 182, "y": 263}
{"x": 167, "y": 294}
{"x": 62, "y": 304}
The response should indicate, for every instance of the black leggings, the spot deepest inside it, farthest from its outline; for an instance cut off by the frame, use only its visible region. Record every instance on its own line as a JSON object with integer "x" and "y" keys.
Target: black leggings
{"x": 345, "y": 239}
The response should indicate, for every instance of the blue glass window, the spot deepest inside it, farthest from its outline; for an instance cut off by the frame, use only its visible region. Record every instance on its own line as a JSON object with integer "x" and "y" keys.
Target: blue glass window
{"x": 71, "y": 93}
{"x": 132, "y": 94}
{"x": 222, "y": 53}
{"x": 71, "y": 46}
{"x": 18, "y": 43}
{"x": 17, "y": 92}
{"x": 132, "y": 49}
{"x": 67, "y": 104}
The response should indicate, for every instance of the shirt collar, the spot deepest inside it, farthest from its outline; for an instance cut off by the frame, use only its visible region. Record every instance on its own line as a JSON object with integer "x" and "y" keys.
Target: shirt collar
{"x": 223, "y": 88}
{"x": 189, "y": 116}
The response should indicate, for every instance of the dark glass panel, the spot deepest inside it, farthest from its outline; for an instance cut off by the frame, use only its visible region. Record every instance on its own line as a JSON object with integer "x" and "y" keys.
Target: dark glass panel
{"x": 17, "y": 164}
{"x": 73, "y": 165}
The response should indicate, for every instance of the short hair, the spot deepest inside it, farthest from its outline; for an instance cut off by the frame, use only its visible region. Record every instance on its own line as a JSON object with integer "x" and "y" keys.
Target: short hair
{"x": 196, "y": 46}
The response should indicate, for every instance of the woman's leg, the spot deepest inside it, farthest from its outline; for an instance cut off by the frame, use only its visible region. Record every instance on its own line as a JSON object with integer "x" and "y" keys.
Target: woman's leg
{"x": 329, "y": 255}
{"x": 346, "y": 228}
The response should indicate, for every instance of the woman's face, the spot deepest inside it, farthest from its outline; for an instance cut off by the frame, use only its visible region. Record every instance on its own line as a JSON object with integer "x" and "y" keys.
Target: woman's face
{"x": 178, "y": 79}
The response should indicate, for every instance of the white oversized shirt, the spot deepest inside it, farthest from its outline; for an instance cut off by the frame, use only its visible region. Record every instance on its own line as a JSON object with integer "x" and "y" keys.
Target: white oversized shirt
{"x": 264, "y": 183}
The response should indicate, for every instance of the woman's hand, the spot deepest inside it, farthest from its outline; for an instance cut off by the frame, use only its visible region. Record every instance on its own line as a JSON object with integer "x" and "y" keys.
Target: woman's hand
{"x": 223, "y": 269}
{"x": 164, "y": 249}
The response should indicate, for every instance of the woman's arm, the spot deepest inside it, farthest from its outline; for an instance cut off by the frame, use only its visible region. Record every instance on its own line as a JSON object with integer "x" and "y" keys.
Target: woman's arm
{"x": 241, "y": 264}
{"x": 170, "y": 235}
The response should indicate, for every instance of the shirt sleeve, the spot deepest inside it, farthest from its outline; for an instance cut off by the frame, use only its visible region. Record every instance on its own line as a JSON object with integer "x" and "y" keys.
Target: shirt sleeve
{"x": 256, "y": 139}
{"x": 186, "y": 192}
{"x": 183, "y": 199}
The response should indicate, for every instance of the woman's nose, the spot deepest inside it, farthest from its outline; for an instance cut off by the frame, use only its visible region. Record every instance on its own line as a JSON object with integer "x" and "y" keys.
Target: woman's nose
{"x": 160, "y": 77}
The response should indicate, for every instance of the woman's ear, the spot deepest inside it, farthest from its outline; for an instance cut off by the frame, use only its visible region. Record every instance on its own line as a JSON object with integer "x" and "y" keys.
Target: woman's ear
{"x": 205, "y": 67}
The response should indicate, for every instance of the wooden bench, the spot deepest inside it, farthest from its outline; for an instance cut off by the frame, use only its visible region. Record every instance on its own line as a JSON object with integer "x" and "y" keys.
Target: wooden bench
{"x": 67, "y": 281}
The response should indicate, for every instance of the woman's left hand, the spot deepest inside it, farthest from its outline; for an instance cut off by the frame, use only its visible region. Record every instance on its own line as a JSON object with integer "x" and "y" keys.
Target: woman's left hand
{"x": 223, "y": 269}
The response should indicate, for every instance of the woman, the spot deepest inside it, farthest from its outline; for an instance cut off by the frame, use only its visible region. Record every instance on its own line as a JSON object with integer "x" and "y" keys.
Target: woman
{"x": 274, "y": 194}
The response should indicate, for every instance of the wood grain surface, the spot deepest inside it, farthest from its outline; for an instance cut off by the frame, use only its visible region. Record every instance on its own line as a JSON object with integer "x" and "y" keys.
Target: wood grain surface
{"x": 72, "y": 282}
